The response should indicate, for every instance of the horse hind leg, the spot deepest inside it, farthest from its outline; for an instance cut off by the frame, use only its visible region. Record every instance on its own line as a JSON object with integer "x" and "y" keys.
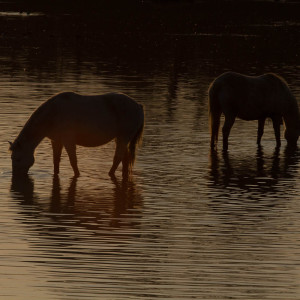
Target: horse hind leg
{"x": 276, "y": 125}
{"x": 215, "y": 125}
{"x": 260, "y": 130}
{"x": 120, "y": 155}
{"x": 125, "y": 164}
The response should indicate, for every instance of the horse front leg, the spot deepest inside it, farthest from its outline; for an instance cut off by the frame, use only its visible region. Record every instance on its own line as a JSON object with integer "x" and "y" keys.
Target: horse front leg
{"x": 229, "y": 121}
{"x": 71, "y": 150}
{"x": 276, "y": 125}
{"x": 57, "y": 149}
{"x": 260, "y": 130}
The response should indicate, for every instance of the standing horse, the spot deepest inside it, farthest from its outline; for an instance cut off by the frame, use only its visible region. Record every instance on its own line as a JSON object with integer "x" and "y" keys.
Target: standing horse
{"x": 253, "y": 98}
{"x": 70, "y": 119}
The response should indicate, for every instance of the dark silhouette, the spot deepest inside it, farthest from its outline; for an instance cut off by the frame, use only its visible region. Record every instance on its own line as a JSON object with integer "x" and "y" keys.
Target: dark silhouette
{"x": 22, "y": 188}
{"x": 253, "y": 98}
{"x": 248, "y": 172}
{"x": 69, "y": 119}
{"x": 77, "y": 206}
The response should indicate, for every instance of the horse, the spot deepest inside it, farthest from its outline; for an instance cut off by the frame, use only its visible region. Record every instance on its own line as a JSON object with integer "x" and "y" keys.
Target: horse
{"x": 253, "y": 98}
{"x": 69, "y": 119}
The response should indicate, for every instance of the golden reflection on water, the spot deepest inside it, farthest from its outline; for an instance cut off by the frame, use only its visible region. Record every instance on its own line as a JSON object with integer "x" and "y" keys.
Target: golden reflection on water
{"x": 190, "y": 224}
{"x": 258, "y": 172}
{"x": 82, "y": 207}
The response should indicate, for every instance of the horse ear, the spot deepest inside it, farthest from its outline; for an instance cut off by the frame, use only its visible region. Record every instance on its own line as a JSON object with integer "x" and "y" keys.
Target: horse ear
{"x": 14, "y": 146}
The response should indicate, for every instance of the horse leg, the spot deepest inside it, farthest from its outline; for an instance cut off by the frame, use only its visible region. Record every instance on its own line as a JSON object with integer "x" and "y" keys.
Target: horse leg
{"x": 276, "y": 125}
{"x": 71, "y": 150}
{"x": 121, "y": 148}
{"x": 215, "y": 124}
{"x": 229, "y": 121}
{"x": 125, "y": 164}
{"x": 260, "y": 130}
{"x": 57, "y": 149}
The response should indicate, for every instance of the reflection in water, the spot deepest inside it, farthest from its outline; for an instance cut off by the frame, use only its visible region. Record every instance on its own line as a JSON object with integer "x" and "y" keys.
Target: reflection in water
{"x": 81, "y": 234}
{"x": 83, "y": 208}
{"x": 23, "y": 188}
{"x": 246, "y": 173}
{"x": 181, "y": 229}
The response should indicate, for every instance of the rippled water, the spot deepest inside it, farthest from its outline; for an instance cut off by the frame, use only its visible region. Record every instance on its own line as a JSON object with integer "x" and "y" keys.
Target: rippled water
{"x": 190, "y": 224}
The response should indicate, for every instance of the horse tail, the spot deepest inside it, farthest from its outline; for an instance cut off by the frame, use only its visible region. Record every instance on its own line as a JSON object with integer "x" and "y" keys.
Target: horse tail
{"x": 137, "y": 139}
{"x": 214, "y": 110}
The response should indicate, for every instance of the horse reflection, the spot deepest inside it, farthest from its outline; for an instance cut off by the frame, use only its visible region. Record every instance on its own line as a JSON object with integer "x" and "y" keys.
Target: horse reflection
{"x": 91, "y": 209}
{"x": 22, "y": 188}
{"x": 95, "y": 210}
{"x": 246, "y": 173}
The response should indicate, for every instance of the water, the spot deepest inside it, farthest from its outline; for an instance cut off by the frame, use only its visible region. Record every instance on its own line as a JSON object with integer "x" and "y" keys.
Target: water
{"x": 189, "y": 225}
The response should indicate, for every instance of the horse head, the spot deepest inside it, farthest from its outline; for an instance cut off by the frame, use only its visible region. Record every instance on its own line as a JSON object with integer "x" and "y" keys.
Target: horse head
{"x": 22, "y": 158}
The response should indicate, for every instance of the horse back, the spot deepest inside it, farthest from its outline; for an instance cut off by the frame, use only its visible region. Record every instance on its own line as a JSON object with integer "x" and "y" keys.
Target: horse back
{"x": 93, "y": 120}
{"x": 72, "y": 105}
{"x": 250, "y": 97}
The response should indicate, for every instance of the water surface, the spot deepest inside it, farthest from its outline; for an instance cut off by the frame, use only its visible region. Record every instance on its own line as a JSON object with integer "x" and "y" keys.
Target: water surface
{"x": 190, "y": 224}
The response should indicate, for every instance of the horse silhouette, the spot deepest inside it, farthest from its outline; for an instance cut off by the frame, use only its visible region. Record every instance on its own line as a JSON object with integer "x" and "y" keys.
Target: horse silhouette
{"x": 253, "y": 98}
{"x": 69, "y": 119}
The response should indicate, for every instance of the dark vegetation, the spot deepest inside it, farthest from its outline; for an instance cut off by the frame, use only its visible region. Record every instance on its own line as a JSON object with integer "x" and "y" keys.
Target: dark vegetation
{"x": 165, "y": 11}
{"x": 136, "y": 33}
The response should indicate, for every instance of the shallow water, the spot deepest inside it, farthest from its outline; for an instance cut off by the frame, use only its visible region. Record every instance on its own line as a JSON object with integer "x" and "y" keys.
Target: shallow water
{"x": 190, "y": 224}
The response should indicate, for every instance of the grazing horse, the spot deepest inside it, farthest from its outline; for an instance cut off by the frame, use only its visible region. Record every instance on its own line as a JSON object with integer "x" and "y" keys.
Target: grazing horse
{"x": 69, "y": 119}
{"x": 253, "y": 98}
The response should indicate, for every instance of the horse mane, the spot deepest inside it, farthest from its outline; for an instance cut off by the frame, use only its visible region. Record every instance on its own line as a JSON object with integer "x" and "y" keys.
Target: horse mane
{"x": 34, "y": 128}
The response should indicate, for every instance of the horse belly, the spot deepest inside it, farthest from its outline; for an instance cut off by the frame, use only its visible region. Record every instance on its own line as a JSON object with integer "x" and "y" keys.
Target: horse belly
{"x": 92, "y": 140}
{"x": 249, "y": 116}
{"x": 250, "y": 111}
{"x": 85, "y": 132}
{"x": 92, "y": 136}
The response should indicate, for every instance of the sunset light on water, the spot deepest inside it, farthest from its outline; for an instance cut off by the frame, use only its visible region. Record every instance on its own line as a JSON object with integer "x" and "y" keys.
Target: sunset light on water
{"x": 189, "y": 223}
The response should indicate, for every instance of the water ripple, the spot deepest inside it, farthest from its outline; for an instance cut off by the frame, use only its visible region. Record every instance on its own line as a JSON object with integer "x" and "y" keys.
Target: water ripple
{"x": 190, "y": 224}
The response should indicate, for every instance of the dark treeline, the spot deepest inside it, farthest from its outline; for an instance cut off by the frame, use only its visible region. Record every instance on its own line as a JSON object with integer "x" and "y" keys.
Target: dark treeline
{"x": 242, "y": 10}
{"x": 148, "y": 35}
{"x": 163, "y": 15}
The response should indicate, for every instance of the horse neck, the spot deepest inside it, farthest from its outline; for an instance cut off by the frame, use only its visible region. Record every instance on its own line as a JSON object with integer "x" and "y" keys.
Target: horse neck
{"x": 29, "y": 140}
{"x": 32, "y": 133}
